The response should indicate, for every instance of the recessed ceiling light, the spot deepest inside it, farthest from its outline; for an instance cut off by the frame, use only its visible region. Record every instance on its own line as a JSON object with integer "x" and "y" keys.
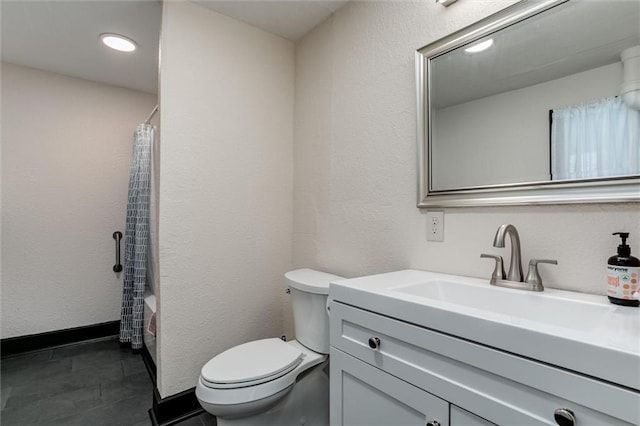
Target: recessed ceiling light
{"x": 118, "y": 42}
{"x": 484, "y": 45}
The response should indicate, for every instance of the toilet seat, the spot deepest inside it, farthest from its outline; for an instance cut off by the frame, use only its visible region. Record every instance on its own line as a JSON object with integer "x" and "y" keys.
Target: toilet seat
{"x": 229, "y": 397}
{"x": 251, "y": 364}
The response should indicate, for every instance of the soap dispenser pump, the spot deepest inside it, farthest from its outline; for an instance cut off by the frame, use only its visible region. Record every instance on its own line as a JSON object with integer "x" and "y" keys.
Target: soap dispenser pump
{"x": 623, "y": 274}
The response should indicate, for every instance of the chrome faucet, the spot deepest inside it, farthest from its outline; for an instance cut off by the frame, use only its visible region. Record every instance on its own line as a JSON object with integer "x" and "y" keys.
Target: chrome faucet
{"x": 515, "y": 266}
{"x": 514, "y": 279}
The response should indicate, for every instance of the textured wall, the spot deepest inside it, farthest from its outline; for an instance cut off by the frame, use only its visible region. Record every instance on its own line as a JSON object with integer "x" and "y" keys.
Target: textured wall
{"x": 226, "y": 188}
{"x": 355, "y": 162}
{"x": 66, "y": 154}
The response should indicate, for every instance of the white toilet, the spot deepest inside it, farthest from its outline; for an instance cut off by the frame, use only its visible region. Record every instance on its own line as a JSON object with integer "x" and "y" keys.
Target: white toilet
{"x": 273, "y": 382}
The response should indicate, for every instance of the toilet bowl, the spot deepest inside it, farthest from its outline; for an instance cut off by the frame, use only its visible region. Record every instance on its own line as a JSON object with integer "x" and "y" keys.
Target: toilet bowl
{"x": 270, "y": 381}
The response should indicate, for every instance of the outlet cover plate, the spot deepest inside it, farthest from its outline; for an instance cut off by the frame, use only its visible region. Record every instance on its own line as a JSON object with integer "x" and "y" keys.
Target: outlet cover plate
{"x": 435, "y": 225}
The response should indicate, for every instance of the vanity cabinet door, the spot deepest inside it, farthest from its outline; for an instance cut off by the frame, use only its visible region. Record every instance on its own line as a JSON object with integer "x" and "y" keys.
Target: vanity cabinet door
{"x": 460, "y": 417}
{"x": 362, "y": 395}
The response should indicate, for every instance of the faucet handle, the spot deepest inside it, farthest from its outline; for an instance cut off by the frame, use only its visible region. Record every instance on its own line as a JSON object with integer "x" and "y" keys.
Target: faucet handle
{"x": 498, "y": 271}
{"x": 533, "y": 276}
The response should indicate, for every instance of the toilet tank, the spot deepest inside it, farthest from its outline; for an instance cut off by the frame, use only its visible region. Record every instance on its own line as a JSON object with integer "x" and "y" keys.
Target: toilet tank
{"x": 309, "y": 291}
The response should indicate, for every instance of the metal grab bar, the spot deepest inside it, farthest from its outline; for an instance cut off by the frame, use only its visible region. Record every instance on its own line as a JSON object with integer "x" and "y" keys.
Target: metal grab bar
{"x": 117, "y": 236}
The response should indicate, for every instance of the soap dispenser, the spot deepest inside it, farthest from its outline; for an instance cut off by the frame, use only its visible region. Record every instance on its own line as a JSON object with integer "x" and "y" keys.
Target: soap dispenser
{"x": 622, "y": 275}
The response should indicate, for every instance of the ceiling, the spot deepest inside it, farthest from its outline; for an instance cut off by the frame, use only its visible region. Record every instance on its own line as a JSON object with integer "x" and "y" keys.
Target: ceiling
{"x": 288, "y": 19}
{"x": 63, "y": 36}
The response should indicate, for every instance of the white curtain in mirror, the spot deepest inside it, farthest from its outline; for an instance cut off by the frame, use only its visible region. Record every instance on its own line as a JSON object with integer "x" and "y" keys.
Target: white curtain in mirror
{"x": 596, "y": 139}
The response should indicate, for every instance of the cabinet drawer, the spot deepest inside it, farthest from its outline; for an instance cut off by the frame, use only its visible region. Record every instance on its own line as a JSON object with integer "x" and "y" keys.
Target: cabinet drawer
{"x": 497, "y": 386}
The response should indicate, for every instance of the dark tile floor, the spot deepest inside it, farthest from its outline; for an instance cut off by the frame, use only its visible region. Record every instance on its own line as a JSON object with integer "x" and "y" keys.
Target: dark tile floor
{"x": 93, "y": 383}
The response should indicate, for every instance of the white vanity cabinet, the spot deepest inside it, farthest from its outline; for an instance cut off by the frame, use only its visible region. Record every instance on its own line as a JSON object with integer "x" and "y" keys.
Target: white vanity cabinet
{"x": 388, "y": 372}
{"x": 461, "y": 417}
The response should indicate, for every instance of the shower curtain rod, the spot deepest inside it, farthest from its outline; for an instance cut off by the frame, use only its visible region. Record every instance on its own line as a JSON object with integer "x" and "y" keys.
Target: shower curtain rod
{"x": 152, "y": 114}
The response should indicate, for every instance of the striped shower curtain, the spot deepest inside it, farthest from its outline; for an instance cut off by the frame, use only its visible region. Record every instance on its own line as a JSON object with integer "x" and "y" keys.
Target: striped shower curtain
{"x": 137, "y": 241}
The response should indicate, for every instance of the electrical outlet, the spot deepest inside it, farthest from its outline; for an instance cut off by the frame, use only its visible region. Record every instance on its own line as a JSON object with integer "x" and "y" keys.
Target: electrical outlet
{"x": 435, "y": 226}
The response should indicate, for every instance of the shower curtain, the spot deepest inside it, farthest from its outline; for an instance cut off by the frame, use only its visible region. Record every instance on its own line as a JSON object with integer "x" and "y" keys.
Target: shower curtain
{"x": 596, "y": 139}
{"x": 137, "y": 237}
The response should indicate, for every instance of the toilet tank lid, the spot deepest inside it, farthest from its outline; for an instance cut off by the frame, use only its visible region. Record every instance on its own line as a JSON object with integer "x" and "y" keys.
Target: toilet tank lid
{"x": 310, "y": 281}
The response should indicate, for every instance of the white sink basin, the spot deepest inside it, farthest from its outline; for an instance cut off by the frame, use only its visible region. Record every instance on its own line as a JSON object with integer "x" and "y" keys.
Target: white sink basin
{"x": 580, "y": 332}
{"x": 578, "y": 315}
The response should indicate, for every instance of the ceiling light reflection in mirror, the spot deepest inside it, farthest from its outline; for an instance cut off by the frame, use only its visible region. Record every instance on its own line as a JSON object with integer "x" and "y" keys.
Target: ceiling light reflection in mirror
{"x": 118, "y": 42}
{"x": 483, "y": 45}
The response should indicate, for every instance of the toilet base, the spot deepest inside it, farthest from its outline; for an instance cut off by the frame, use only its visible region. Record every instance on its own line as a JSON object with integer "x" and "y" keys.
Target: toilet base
{"x": 306, "y": 404}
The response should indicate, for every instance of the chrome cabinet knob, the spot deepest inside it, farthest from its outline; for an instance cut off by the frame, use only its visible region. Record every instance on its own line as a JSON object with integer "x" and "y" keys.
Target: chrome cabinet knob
{"x": 564, "y": 417}
{"x": 433, "y": 423}
{"x": 374, "y": 343}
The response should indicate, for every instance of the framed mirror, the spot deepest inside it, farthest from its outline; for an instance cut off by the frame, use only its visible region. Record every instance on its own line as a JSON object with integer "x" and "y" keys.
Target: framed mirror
{"x": 537, "y": 104}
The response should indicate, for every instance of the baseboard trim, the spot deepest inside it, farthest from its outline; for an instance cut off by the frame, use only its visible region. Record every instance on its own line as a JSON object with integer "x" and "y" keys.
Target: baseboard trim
{"x": 175, "y": 408}
{"x": 34, "y": 342}
{"x": 150, "y": 365}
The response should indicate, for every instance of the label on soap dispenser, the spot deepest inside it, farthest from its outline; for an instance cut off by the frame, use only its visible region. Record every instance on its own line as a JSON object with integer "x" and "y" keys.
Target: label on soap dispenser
{"x": 622, "y": 281}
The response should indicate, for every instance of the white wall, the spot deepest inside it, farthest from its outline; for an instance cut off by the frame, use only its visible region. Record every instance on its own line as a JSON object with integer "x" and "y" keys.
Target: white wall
{"x": 66, "y": 153}
{"x": 226, "y": 188}
{"x": 515, "y": 124}
{"x": 355, "y": 193}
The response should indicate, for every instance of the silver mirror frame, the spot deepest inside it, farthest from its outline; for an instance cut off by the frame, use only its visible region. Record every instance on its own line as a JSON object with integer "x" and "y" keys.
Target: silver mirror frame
{"x": 574, "y": 192}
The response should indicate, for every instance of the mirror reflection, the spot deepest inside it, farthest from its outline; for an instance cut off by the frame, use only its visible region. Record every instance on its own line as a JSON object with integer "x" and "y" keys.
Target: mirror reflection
{"x": 546, "y": 99}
